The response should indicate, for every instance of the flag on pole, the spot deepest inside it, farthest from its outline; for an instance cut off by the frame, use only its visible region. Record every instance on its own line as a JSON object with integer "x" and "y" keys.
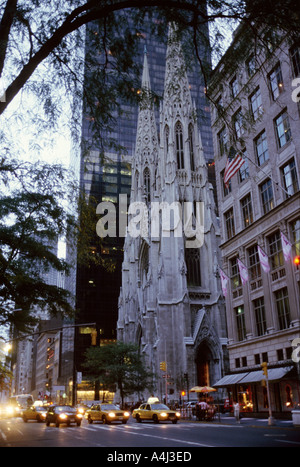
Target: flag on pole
{"x": 224, "y": 281}
{"x": 264, "y": 260}
{"x": 286, "y": 247}
{"x": 233, "y": 164}
{"x": 243, "y": 271}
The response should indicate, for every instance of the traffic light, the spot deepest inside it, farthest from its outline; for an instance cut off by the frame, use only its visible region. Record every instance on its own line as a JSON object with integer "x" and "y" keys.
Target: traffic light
{"x": 264, "y": 366}
{"x": 297, "y": 261}
{"x": 183, "y": 393}
{"x": 163, "y": 366}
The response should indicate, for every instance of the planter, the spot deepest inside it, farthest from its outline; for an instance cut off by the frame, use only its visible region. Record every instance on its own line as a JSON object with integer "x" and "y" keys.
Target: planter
{"x": 296, "y": 417}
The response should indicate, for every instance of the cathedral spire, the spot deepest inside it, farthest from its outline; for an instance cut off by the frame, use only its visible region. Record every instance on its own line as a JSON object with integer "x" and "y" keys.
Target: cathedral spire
{"x": 146, "y": 77}
{"x": 146, "y": 149}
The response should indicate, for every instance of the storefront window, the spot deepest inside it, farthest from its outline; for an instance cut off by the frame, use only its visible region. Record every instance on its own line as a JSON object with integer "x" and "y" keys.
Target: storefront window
{"x": 288, "y": 396}
{"x": 245, "y": 398}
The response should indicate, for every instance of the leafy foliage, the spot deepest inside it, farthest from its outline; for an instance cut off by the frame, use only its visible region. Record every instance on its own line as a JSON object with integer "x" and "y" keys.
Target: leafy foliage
{"x": 32, "y": 219}
{"x": 118, "y": 365}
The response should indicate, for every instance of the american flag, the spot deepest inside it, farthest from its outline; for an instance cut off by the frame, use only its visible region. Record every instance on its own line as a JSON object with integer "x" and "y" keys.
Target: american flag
{"x": 233, "y": 164}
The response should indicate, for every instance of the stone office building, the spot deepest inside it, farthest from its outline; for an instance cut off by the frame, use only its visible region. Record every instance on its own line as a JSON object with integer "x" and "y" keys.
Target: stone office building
{"x": 255, "y": 114}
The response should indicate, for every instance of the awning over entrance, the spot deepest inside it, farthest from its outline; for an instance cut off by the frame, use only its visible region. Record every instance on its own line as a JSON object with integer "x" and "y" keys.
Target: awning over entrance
{"x": 274, "y": 374}
{"x": 228, "y": 380}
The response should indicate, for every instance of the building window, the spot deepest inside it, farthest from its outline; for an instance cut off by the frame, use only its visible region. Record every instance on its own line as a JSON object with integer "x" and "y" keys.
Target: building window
{"x": 283, "y": 308}
{"x": 267, "y": 198}
{"x": 296, "y": 235}
{"x": 235, "y": 274}
{"x": 260, "y": 316}
{"x": 254, "y": 263}
{"x": 229, "y": 223}
{"x": 234, "y": 87}
{"x": 226, "y": 190}
{"x": 290, "y": 179}
{"x": 166, "y": 139}
{"x": 223, "y": 141}
{"x": 295, "y": 57}
{"x": 240, "y": 323}
{"x": 179, "y": 145}
{"x": 247, "y": 211}
{"x": 276, "y": 82}
{"x": 256, "y": 104}
{"x": 219, "y": 106}
{"x": 147, "y": 185}
{"x": 282, "y": 128}
{"x": 261, "y": 148}
{"x": 244, "y": 170}
{"x": 275, "y": 249}
{"x": 238, "y": 124}
{"x": 192, "y": 260}
{"x": 191, "y": 147}
{"x": 251, "y": 65}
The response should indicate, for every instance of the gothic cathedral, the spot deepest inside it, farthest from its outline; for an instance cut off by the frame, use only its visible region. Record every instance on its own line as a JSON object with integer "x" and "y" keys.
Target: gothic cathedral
{"x": 170, "y": 302}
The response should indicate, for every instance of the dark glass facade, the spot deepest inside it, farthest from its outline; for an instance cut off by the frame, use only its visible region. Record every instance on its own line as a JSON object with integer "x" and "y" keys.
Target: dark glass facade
{"x": 97, "y": 289}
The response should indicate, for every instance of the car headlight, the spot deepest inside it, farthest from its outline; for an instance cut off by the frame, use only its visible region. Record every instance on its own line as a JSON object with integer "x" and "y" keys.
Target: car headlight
{"x": 111, "y": 414}
{"x": 177, "y": 414}
{"x": 163, "y": 414}
{"x": 43, "y": 414}
{"x": 9, "y": 410}
{"x": 62, "y": 416}
{"x": 79, "y": 415}
{"x": 126, "y": 414}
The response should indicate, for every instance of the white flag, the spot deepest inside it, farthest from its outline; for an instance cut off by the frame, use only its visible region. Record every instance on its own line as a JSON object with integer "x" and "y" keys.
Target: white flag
{"x": 243, "y": 272}
{"x": 264, "y": 260}
{"x": 224, "y": 281}
{"x": 286, "y": 247}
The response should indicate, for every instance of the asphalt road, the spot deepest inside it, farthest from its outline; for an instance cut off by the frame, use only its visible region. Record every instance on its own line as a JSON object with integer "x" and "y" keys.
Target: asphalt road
{"x": 186, "y": 436}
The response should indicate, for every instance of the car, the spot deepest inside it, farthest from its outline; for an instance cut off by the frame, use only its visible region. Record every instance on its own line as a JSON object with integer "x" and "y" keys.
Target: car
{"x": 106, "y": 413}
{"x": 59, "y": 414}
{"x": 37, "y": 413}
{"x": 11, "y": 410}
{"x": 156, "y": 412}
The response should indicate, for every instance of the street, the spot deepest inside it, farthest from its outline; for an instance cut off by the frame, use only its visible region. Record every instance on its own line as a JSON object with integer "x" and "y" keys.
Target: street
{"x": 186, "y": 436}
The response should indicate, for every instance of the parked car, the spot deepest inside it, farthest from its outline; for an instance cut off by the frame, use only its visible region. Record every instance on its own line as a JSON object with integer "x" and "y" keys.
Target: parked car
{"x": 59, "y": 414}
{"x": 37, "y": 413}
{"x": 106, "y": 413}
{"x": 156, "y": 412}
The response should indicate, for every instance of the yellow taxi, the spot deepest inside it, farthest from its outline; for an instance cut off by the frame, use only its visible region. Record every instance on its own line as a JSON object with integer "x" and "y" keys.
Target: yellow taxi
{"x": 106, "y": 413}
{"x": 37, "y": 413}
{"x": 156, "y": 412}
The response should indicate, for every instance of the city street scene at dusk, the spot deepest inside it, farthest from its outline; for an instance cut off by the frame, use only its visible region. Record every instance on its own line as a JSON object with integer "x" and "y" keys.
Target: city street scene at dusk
{"x": 149, "y": 226}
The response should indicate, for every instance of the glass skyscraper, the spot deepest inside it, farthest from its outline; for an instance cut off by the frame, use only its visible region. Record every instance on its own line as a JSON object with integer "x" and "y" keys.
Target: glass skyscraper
{"x": 96, "y": 287}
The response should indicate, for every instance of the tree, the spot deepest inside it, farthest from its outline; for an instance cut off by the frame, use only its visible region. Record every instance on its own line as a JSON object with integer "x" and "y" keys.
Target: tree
{"x": 53, "y": 32}
{"x": 32, "y": 219}
{"x": 118, "y": 365}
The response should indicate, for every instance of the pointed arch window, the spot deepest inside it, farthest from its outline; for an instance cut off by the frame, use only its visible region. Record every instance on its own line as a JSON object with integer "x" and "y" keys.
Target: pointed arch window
{"x": 179, "y": 145}
{"x": 144, "y": 263}
{"x": 192, "y": 260}
{"x": 147, "y": 185}
{"x": 191, "y": 147}
{"x": 166, "y": 139}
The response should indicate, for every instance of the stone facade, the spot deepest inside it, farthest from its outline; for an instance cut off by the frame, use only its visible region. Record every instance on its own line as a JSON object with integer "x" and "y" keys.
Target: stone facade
{"x": 255, "y": 113}
{"x": 170, "y": 302}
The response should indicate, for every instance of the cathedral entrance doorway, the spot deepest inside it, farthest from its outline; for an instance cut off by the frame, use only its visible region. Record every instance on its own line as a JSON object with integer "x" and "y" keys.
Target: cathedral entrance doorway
{"x": 204, "y": 360}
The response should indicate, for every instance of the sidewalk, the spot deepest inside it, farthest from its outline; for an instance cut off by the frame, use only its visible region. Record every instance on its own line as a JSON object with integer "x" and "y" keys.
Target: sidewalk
{"x": 227, "y": 419}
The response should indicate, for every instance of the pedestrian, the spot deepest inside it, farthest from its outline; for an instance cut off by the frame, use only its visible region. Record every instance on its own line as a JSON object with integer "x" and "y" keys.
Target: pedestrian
{"x": 236, "y": 409}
